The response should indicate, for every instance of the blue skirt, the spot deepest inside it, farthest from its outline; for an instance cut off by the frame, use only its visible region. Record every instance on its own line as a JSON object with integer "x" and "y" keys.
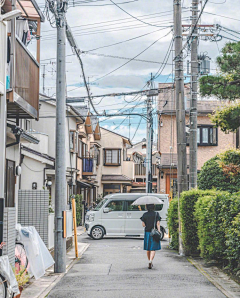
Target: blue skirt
{"x": 150, "y": 244}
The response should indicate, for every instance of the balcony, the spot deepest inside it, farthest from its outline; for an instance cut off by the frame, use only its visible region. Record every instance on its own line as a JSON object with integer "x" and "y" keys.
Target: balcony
{"x": 87, "y": 166}
{"x": 23, "y": 98}
{"x": 170, "y": 160}
{"x": 140, "y": 170}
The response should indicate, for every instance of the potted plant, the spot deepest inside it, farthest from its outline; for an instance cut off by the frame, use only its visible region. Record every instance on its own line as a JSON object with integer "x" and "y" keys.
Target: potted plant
{"x": 22, "y": 278}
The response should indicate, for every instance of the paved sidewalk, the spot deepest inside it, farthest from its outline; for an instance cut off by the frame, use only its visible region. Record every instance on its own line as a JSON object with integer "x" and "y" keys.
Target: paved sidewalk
{"x": 41, "y": 287}
{"x": 117, "y": 267}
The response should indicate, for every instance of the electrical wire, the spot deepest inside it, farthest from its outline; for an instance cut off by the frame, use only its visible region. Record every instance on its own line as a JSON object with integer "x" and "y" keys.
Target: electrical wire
{"x": 127, "y": 20}
{"x": 214, "y": 14}
{"x": 125, "y": 62}
{"x": 136, "y": 129}
{"x": 132, "y": 15}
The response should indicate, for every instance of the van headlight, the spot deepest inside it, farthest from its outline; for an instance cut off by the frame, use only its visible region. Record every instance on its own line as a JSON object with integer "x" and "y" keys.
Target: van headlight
{"x": 90, "y": 217}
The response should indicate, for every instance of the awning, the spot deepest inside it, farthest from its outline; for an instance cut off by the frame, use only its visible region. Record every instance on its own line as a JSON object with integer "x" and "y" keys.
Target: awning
{"x": 86, "y": 184}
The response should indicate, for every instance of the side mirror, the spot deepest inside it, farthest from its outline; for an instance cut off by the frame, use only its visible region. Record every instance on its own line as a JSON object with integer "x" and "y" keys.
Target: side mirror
{"x": 106, "y": 210}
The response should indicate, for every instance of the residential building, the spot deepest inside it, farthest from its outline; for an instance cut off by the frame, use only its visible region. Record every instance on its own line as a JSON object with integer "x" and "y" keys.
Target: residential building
{"x": 44, "y": 129}
{"x": 21, "y": 72}
{"x": 137, "y": 153}
{"x": 88, "y": 156}
{"x": 211, "y": 140}
{"x": 115, "y": 171}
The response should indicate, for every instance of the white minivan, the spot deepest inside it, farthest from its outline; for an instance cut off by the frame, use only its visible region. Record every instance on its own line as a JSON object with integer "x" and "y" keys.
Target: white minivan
{"x": 116, "y": 216}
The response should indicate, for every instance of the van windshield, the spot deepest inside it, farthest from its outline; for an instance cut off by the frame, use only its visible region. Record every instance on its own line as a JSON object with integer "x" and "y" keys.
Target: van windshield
{"x": 99, "y": 205}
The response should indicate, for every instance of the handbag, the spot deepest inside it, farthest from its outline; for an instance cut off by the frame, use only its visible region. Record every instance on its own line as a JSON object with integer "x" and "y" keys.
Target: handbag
{"x": 155, "y": 233}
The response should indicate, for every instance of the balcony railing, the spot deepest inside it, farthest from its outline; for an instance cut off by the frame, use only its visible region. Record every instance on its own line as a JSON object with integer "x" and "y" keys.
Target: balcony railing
{"x": 140, "y": 169}
{"x": 170, "y": 160}
{"x": 87, "y": 164}
{"x": 23, "y": 99}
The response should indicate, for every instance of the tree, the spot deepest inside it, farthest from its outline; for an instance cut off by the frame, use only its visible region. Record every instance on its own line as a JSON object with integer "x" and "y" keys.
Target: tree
{"x": 225, "y": 86}
{"x": 221, "y": 172}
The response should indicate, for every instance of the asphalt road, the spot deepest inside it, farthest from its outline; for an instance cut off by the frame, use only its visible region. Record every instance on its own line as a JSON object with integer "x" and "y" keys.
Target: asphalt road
{"x": 117, "y": 268}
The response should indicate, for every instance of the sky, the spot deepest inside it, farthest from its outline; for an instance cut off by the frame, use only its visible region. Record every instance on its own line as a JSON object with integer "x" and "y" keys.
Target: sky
{"x": 102, "y": 29}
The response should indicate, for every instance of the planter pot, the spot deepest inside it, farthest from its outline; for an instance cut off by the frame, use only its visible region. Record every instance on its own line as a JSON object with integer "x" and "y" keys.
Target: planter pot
{"x": 19, "y": 295}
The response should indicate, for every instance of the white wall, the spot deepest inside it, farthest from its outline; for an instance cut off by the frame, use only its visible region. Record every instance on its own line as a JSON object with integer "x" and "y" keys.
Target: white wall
{"x": 32, "y": 171}
{"x": 43, "y": 145}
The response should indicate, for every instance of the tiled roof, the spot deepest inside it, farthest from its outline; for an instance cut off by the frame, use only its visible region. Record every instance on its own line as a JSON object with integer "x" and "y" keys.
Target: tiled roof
{"x": 115, "y": 178}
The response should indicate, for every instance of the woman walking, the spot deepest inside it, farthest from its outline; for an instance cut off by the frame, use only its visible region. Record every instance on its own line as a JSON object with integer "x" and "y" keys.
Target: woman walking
{"x": 148, "y": 219}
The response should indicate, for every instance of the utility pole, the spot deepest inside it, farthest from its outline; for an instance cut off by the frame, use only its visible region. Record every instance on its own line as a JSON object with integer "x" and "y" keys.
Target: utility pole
{"x": 193, "y": 101}
{"x": 60, "y": 167}
{"x": 149, "y": 140}
{"x": 180, "y": 109}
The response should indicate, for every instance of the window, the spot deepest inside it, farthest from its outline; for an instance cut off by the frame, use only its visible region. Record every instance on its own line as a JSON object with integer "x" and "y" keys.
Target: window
{"x": 84, "y": 150}
{"x": 112, "y": 157}
{"x": 115, "y": 205}
{"x": 131, "y": 207}
{"x": 73, "y": 144}
{"x": 206, "y": 136}
{"x": 10, "y": 184}
{"x": 98, "y": 157}
{"x": 80, "y": 148}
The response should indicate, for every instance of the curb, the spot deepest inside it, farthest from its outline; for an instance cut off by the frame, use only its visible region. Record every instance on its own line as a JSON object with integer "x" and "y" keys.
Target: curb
{"x": 227, "y": 288}
{"x": 52, "y": 285}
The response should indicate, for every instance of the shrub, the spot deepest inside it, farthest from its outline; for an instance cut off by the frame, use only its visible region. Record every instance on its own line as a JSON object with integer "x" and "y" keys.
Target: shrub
{"x": 172, "y": 219}
{"x": 203, "y": 219}
{"x": 78, "y": 199}
{"x": 188, "y": 200}
{"x": 221, "y": 172}
{"x": 214, "y": 216}
{"x": 233, "y": 244}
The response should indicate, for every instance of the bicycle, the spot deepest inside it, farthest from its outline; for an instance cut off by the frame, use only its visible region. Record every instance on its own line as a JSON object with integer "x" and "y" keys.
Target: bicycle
{"x": 5, "y": 291}
{"x": 21, "y": 260}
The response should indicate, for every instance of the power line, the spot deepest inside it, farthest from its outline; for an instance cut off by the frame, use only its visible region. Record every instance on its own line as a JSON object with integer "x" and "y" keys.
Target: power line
{"x": 214, "y": 14}
{"x": 191, "y": 33}
{"x": 168, "y": 12}
{"x": 136, "y": 129}
{"x": 132, "y": 15}
{"x": 126, "y": 62}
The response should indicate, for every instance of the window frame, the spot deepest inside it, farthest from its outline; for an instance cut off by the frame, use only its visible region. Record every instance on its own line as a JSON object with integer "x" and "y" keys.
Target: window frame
{"x": 123, "y": 205}
{"x": 118, "y": 156}
{"x": 209, "y": 129}
{"x": 74, "y": 149}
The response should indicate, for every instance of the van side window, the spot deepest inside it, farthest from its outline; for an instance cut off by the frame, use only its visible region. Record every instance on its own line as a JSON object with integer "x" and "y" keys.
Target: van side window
{"x": 158, "y": 207}
{"x": 131, "y": 207}
{"x": 115, "y": 205}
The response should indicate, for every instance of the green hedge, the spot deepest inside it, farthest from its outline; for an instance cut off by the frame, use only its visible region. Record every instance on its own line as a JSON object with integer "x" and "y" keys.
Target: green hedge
{"x": 188, "y": 200}
{"x": 233, "y": 244}
{"x": 215, "y": 216}
{"x": 78, "y": 199}
{"x": 172, "y": 220}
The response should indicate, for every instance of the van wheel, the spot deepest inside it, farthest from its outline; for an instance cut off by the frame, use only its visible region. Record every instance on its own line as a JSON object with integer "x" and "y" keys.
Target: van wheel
{"x": 162, "y": 233}
{"x": 97, "y": 233}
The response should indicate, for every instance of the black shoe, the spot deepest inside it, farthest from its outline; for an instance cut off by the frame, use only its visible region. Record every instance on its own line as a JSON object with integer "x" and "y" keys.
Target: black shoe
{"x": 149, "y": 265}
